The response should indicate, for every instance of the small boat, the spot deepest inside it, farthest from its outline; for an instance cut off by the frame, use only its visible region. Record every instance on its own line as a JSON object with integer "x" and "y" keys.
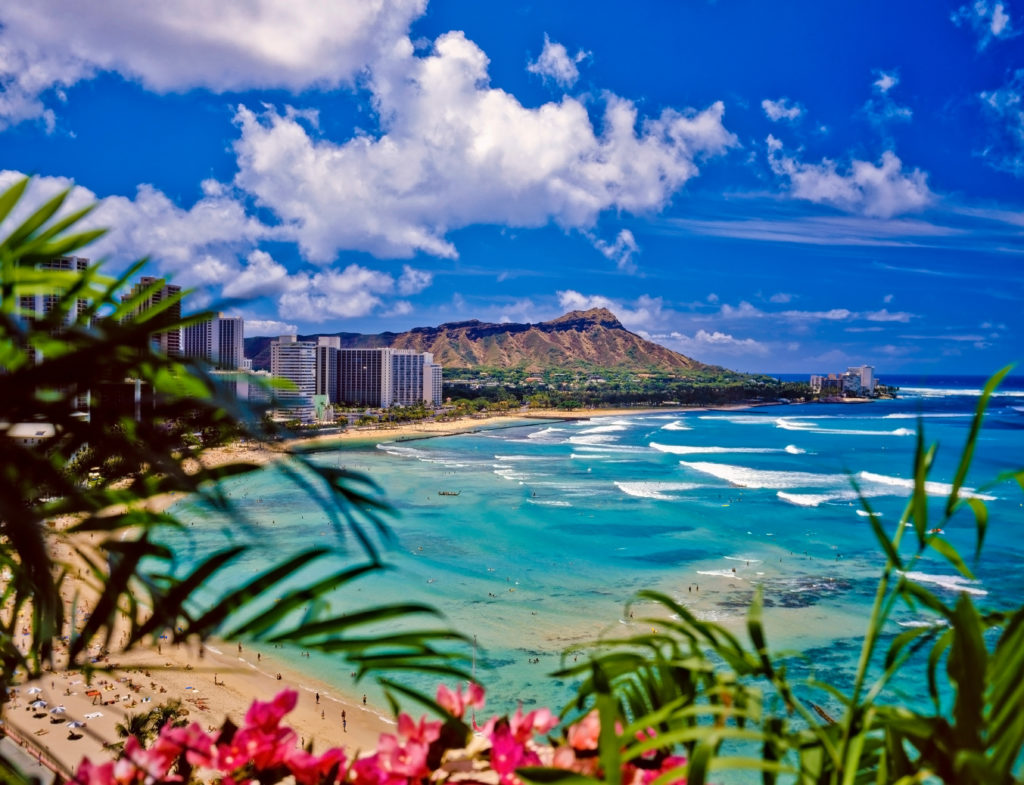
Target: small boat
{"x": 935, "y": 531}
{"x": 448, "y": 493}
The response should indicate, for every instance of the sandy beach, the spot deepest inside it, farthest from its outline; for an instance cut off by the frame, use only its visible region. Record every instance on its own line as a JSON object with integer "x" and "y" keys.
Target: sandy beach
{"x": 220, "y": 680}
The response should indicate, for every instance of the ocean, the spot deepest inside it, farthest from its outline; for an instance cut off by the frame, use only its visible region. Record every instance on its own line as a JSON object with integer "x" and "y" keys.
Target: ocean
{"x": 557, "y": 524}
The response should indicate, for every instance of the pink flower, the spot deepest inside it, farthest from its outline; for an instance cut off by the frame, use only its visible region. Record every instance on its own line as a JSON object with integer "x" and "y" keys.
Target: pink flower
{"x": 455, "y": 703}
{"x": 309, "y": 769}
{"x": 537, "y": 721}
{"x": 267, "y": 716}
{"x": 423, "y": 731}
{"x": 584, "y": 734}
{"x": 508, "y": 753}
{"x": 191, "y": 740}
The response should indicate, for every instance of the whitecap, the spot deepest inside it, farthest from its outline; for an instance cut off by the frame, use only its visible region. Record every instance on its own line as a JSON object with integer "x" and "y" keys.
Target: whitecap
{"x": 866, "y": 514}
{"x": 931, "y": 487}
{"x": 909, "y": 416}
{"x": 676, "y": 425}
{"x": 813, "y": 499}
{"x": 544, "y": 433}
{"x": 792, "y": 424}
{"x": 655, "y": 490}
{"x": 746, "y": 477}
{"x": 792, "y": 449}
{"x": 746, "y": 559}
{"x": 955, "y": 583}
{"x": 678, "y": 449}
{"x": 595, "y": 438}
{"x": 509, "y": 458}
{"x": 610, "y": 428}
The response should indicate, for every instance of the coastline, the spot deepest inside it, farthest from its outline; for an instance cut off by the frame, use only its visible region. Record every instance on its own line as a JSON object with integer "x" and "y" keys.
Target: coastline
{"x": 216, "y": 682}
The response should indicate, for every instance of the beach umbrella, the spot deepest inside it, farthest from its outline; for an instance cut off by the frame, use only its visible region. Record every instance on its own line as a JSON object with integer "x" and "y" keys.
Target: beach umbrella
{"x": 75, "y": 724}
{"x": 34, "y": 690}
{"x": 37, "y": 705}
{"x": 57, "y": 710}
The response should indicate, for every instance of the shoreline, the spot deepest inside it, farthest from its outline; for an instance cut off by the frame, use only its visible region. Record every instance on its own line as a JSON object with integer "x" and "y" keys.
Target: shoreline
{"x": 214, "y": 682}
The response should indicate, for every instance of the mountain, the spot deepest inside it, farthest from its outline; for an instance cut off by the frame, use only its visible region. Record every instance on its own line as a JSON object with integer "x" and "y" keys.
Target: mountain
{"x": 579, "y": 339}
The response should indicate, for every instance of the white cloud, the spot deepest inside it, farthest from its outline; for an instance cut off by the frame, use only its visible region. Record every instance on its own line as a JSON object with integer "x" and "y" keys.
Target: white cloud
{"x": 554, "y": 63}
{"x": 988, "y": 20}
{"x": 712, "y": 298}
{"x": 886, "y": 81}
{"x": 887, "y": 299}
{"x": 198, "y": 245}
{"x": 621, "y": 251}
{"x": 782, "y": 110}
{"x": 882, "y": 108}
{"x": 747, "y": 311}
{"x": 413, "y": 281}
{"x": 455, "y": 152}
{"x": 878, "y": 191}
{"x": 1005, "y": 109}
{"x": 177, "y": 45}
{"x": 261, "y": 276}
{"x": 885, "y": 315}
{"x": 268, "y": 327}
{"x": 354, "y": 291}
{"x": 704, "y": 341}
{"x": 780, "y": 297}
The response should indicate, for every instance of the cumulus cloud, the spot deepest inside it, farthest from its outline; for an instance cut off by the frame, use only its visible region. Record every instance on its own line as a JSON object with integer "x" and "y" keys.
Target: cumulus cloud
{"x": 988, "y": 20}
{"x": 177, "y": 45}
{"x": 780, "y": 297}
{"x": 198, "y": 245}
{"x": 555, "y": 63}
{"x": 354, "y": 291}
{"x": 704, "y": 341}
{"x": 454, "y": 151}
{"x": 621, "y": 251}
{"x": 260, "y": 277}
{"x": 1005, "y": 110}
{"x": 877, "y": 191}
{"x": 782, "y": 110}
{"x": 413, "y": 281}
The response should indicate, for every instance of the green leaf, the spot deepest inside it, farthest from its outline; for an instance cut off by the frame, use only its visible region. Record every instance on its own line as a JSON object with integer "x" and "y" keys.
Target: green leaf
{"x": 972, "y": 438}
{"x": 951, "y": 555}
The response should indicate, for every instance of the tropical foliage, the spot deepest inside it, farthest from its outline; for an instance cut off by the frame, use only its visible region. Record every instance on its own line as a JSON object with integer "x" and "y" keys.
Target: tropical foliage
{"x": 681, "y": 703}
{"x": 98, "y": 475}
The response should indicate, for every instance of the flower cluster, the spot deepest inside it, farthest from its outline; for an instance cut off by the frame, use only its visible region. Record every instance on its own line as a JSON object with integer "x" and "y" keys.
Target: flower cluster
{"x": 263, "y": 750}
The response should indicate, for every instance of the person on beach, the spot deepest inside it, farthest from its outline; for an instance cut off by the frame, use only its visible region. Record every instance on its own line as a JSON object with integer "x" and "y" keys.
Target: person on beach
{"x": 318, "y": 699}
{"x": 364, "y": 698}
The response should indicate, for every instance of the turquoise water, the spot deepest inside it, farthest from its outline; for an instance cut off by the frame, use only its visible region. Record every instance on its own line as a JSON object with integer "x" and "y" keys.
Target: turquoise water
{"x": 557, "y": 524}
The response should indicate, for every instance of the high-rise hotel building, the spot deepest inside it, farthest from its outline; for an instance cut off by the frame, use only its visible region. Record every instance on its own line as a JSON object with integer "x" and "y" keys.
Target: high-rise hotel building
{"x": 166, "y": 341}
{"x": 219, "y": 341}
{"x": 295, "y": 361}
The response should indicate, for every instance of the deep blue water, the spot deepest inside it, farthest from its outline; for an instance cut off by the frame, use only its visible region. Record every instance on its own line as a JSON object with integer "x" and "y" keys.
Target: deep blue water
{"x": 558, "y": 524}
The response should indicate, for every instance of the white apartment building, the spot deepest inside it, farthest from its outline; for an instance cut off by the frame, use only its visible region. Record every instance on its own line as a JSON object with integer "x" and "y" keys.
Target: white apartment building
{"x": 295, "y": 361}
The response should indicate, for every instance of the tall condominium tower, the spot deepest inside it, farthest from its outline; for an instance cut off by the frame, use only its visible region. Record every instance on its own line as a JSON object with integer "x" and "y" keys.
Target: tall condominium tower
{"x": 388, "y": 377}
{"x": 295, "y": 361}
{"x": 327, "y": 348}
{"x": 407, "y": 377}
{"x": 219, "y": 341}
{"x": 166, "y": 341}
{"x": 364, "y": 377}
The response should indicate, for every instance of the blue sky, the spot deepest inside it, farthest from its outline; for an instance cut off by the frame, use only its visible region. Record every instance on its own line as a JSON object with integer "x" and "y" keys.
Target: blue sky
{"x": 781, "y": 187}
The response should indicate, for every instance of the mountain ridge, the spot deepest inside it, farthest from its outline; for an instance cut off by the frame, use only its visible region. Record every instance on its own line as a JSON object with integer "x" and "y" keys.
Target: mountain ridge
{"x": 593, "y": 338}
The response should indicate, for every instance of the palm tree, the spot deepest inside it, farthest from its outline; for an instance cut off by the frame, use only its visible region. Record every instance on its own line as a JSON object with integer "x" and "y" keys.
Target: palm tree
{"x": 89, "y": 338}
